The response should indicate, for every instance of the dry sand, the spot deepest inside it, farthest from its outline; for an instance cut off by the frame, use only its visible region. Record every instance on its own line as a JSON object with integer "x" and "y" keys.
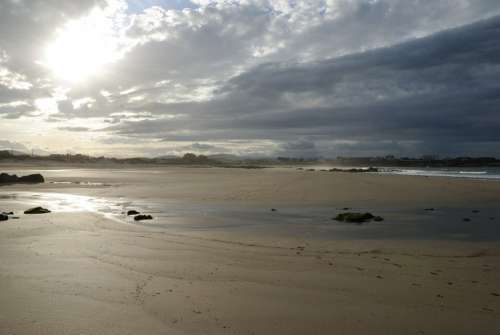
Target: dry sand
{"x": 79, "y": 273}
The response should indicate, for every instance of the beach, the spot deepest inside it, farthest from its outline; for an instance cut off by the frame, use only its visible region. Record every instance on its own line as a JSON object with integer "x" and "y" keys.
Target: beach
{"x": 248, "y": 251}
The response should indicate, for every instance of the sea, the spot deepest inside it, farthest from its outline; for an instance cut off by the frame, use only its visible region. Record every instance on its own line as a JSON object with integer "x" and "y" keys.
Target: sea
{"x": 487, "y": 173}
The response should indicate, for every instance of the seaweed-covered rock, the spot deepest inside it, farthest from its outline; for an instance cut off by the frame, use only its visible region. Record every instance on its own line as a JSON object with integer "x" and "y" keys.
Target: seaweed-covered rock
{"x": 132, "y": 212}
{"x": 6, "y": 178}
{"x": 37, "y": 210}
{"x": 357, "y": 217}
{"x": 3, "y": 217}
{"x": 32, "y": 179}
{"x": 143, "y": 217}
{"x": 355, "y": 170}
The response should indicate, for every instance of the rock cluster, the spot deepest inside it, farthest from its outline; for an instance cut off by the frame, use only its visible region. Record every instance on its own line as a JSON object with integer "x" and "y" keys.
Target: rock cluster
{"x": 143, "y": 217}
{"x": 357, "y": 217}
{"x": 6, "y": 178}
{"x": 355, "y": 170}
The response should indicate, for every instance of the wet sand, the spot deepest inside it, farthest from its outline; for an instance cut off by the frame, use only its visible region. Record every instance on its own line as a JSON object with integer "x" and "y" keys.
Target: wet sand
{"x": 75, "y": 273}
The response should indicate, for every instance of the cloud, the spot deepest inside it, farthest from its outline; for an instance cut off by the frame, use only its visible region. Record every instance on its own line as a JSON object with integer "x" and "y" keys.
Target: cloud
{"x": 347, "y": 76}
{"x": 10, "y": 145}
{"x": 301, "y": 148}
{"x": 439, "y": 88}
{"x": 74, "y": 129}
{"x": 202, "y": 147}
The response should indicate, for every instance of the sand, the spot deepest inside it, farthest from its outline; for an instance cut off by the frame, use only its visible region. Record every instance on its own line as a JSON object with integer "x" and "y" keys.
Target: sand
{"x": 80, "y": 273}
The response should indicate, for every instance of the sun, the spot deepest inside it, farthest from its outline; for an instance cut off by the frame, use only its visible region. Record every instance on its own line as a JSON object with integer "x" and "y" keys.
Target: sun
{"x": 82, "y": 48}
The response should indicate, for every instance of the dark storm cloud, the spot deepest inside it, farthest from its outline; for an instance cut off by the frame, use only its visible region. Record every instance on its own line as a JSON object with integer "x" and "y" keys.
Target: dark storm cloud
{"x": 443, "y": 88}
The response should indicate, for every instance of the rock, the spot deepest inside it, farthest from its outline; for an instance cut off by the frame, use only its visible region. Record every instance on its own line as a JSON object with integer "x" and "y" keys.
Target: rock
{"x": 132, "y": 212}
{"x": 143, "y": 217}
{"x": 355, "y": 170}
{"x": 429, "y": 209}
{"x": 273, "y": 209}
{"x": 32, "y": 179}
{"x": 466, "y": 219}
{"x": 3, "y": 217}
{"x": 7, "y": 178}
{"x": 8, "y": 213}
{"x": 357, "y": 217}
{"x": 37, "y": 210}
{"x": 12, "y": 179}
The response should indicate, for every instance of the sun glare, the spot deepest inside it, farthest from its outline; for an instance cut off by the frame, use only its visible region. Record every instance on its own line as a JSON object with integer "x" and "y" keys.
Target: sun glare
{"x": 82, "y": 48}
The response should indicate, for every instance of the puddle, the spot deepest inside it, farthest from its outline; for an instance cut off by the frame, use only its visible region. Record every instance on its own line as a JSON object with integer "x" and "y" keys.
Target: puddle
{"x": 311, "y": 222}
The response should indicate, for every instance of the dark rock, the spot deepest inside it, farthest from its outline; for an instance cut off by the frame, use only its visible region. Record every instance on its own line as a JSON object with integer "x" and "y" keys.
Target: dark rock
{"x": 143, "y": 217}
{"x": 378, "y": 219}
{"x": 32, "y": 179}
{"x": 12, "y": 179}
{"x": 273, "y": 209}
{"x": 7, "y": 178}
{"x": 132, "y": 212}
{"x": 475, "y": 211}
{"x": 3, "y": 217}
{"x": 355, "y": 170}
{"x": 430, "y": 209}
{"x": 8, "y": 213}
{"x": 356, "y": 217}
{"x": 466, "y": 220}
{"x": 37, "y": 210}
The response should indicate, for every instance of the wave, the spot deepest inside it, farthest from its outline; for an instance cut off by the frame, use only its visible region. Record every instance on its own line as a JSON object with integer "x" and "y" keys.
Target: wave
{"x": 474, "y": 174}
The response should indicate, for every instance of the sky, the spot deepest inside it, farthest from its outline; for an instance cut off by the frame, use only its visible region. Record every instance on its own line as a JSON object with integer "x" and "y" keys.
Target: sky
{"x": 318, "y": 78}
